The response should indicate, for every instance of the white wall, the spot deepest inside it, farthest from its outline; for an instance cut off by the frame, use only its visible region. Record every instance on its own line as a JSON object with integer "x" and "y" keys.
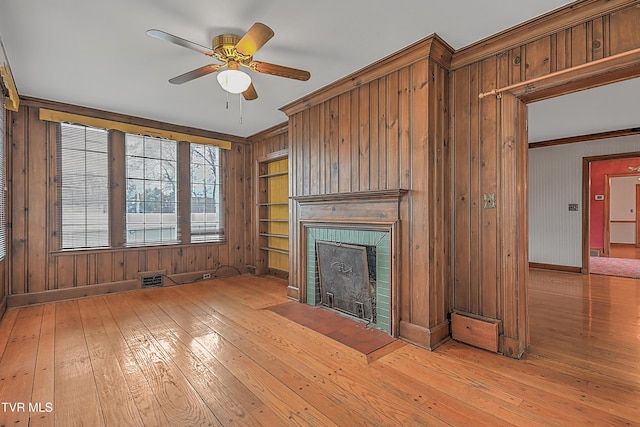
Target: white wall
{"x": 555, "y": 181}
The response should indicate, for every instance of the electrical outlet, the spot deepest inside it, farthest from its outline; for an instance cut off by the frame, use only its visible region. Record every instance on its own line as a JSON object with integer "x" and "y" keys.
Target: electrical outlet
{"x": 206, "y": 276}
{"x": 573, "y": 207}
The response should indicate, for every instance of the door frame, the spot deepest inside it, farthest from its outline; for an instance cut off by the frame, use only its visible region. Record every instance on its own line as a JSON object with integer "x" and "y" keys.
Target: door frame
{"x": 586, "y": 202}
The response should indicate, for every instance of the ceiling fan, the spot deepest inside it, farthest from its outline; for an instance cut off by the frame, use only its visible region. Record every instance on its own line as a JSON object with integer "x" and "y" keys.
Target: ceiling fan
{"x": 234, "y": 52}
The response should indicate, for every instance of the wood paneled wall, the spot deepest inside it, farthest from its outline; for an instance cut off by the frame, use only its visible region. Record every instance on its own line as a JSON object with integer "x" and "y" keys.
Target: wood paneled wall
{"x": 489, "y": 144}
{"x": 386, "y": 128}
{"x": 40, "y": 272}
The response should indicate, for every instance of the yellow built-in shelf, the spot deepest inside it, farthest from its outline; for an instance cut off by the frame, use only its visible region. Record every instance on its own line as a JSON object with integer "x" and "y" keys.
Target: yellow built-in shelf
{"x": 280, "y": 251}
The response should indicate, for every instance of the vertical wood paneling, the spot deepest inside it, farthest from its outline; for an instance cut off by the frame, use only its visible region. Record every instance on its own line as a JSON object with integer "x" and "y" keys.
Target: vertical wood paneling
{"x": 325, "y": 116}
{"x": 66, "y": 268}
{"x": 334, "y": 145}
{"x": 563, "y": 50}
{"x": 538, "y": 58}
{"x": 118, "y": 267}
{"x": 153, "y": 259}
{"x": 374, "y": 142}
{"x": 393, "y": 133}
{"x": 364, "y": 140}
{"x": 315, "y": 148}
{"x": 382, "y": 133}
{"x": 475, "y": 185}
{"x": 624, "y": 30}
{"x": 440, "y": 244}
{"x": 461, "y": 105}
{"x": 486, "y": 295}
{"x": 37, "y": 155}
{"x": 131, "y": 265}
{"x": 36, "y": 263}
{"x": 86, "y": 271}
{"x": 490, "y": 265}
{"x": 579, "y": 44}
{"x": 344, "y": 142}
{"x": 18, "y": 204}
{"x": 393, "y": 153}
{"x": 306, "y": 157}
{"x": 354, "y": 139}
{"x": 404, "y": 145}
{"x": 420, "y": 167}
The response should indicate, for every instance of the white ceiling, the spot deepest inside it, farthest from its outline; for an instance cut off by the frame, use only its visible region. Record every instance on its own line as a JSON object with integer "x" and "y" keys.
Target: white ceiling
{"x": 96, "y": 53}
{"x": 602, "y": 109}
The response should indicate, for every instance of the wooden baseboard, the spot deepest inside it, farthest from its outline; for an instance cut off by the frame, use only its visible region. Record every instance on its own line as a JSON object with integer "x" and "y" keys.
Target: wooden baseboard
{"x": 293, "y": 293}
{"x": 281, "y": 274}
{"x": 429, "y": 338}
{"x": 475, "y": 330}
{"x": 20, "y": 300}
{"x": 565, "y": 268}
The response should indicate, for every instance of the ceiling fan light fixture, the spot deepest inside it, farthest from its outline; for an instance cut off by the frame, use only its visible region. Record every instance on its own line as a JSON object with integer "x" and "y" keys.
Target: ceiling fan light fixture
{"x": 234, "y": 81}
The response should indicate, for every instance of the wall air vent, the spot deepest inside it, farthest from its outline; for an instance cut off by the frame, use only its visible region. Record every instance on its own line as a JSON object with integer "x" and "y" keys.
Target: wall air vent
{"x": 153, "y": 280}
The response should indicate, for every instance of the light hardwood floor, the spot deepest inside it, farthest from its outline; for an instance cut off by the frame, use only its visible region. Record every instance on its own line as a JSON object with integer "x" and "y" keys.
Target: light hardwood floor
{"x": 209, "y": 354}
{"x": 624, "y": 251}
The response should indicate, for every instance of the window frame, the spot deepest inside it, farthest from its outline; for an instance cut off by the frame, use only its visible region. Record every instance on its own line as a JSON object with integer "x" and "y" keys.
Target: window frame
{"x": 118, "y": 203}
{"x": 60, "y": 185}
{"x": 219, "y": 233}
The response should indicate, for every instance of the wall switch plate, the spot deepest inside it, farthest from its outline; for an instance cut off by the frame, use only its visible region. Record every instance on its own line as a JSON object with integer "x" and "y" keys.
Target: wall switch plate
{"x": 489, "y": 200}
{"x": 573, "y": 207}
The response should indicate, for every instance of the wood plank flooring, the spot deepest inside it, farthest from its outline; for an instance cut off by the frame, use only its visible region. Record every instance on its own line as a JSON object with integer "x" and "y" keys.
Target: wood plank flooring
{"x": 211, "y": 354}
{"x": 618, "y": 250}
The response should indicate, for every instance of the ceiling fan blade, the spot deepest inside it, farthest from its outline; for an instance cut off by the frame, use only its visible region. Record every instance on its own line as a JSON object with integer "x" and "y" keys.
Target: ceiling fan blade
{"x": 254, "y": 39}
{"x": 280, "y": 70}
{"x": 250, "y": 94}
{"x": 198, "y": 72}
{"x": 161, "y": 35}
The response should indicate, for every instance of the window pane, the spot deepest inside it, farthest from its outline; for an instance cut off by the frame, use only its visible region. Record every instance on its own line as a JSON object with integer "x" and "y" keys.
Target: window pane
{"x": 151, "y": 190}
{"x": 206, "y": 213}
{"x": 83, "y": 189}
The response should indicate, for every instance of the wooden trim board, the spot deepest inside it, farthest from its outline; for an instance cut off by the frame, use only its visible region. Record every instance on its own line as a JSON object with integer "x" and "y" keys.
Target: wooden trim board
{"x": 475, "y": 330}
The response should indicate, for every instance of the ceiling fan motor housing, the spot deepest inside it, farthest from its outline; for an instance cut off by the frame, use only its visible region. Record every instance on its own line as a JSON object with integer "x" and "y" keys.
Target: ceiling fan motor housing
{"x": 224, "y": 45}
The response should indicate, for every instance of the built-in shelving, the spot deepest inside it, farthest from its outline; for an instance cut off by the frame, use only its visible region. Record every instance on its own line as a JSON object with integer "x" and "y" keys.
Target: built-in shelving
{"x": 273, "y": 215}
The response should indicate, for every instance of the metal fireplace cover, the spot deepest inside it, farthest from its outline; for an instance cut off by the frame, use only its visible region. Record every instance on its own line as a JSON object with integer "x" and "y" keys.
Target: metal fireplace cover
{"x": 344, "y": 279}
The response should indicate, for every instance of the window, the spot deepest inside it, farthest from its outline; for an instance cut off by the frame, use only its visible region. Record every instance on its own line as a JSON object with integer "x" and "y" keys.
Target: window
{"x": 3, "y": 192}
{"x": 206, "y": 212}
{"x": 83, "y": 186}
{"x": 119, "y": 189}
{"x": 151, "y": 194}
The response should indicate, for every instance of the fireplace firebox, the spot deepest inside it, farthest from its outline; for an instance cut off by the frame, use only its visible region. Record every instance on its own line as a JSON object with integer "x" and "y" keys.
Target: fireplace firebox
{"x": 347, "y": 278}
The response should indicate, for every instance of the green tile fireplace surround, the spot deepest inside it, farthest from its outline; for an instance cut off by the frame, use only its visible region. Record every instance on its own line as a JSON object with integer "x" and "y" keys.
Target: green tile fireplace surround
{"x": 363, "y": 218}
{"x": 381, "y": 240}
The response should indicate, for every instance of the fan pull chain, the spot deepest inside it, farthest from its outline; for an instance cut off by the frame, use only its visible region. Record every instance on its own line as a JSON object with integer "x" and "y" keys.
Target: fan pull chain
{"x": 227, "y": 99}
{"x": 240, "y": 102}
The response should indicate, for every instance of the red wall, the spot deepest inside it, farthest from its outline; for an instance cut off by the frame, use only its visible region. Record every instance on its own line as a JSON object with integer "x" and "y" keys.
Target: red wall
{"x": 598, "y": 172}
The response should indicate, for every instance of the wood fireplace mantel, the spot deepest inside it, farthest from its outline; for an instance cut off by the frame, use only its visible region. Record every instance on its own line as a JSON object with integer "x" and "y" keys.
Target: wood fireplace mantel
{"x": 355, "y": 195}
{"x": 377, "y": 210}
{"x": 359, "y": 206}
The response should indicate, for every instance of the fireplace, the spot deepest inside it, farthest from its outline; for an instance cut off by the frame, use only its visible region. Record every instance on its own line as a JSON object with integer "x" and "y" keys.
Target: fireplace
{"x": 347, "y": 279}
{"x": 364, "y": 224}
{"x": 349, "y": 270}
